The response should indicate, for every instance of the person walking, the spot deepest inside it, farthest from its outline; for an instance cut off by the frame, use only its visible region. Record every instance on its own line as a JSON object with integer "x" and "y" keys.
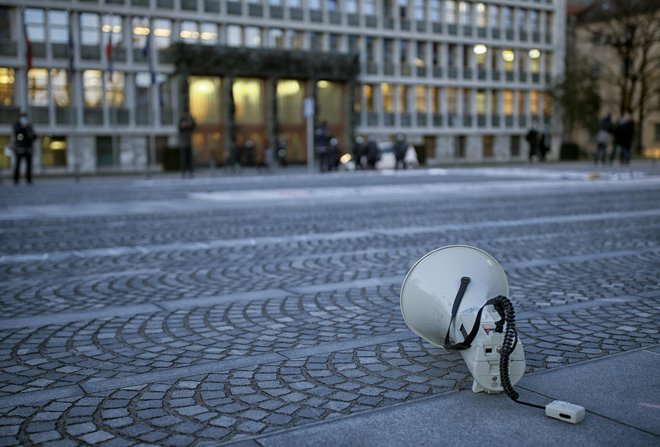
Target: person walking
{"x": 603, "y": 138}
{"x": 624, "y": 135}
{"x": 400, "y": 148}
{"x": 24, "y": 137}
{"x": 358, "y": 151}
{"x": 373, "y": 152}
{"x": 186, "y": 127}
{"x": 532, "y": 138}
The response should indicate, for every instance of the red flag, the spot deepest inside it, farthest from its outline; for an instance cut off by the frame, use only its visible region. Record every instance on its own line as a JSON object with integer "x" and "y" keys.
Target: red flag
{"x": 108, "y": 52}
{"x": 28, "y": 47}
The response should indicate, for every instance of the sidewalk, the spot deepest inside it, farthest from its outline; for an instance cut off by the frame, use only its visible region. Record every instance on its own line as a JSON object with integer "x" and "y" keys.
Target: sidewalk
{"x": 621, "y": 395}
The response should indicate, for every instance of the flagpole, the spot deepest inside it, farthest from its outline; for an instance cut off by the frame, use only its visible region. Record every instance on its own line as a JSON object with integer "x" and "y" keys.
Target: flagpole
{"x": 72, "y": 101}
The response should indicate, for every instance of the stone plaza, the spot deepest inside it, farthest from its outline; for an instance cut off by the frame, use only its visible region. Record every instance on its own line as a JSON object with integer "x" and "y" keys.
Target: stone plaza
{"x": 263, "y": 309}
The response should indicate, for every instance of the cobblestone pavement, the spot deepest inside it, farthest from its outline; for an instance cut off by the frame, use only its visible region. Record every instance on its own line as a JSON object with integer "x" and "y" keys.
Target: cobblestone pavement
{"x": 215, "y": 310}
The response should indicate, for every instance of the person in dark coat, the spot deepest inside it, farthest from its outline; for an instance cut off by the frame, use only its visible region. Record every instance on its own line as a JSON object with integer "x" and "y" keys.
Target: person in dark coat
{"x": 358, "y": 152}
{"x": 624, "y": 132}
{"x": 400, "y": 147}
{"x": 186, "y": 127}
{"x": 532, "y": 138}
{"x": 603, "y": 138}
{"x": 24, "y": 137}
{"x": 373, "y": 152}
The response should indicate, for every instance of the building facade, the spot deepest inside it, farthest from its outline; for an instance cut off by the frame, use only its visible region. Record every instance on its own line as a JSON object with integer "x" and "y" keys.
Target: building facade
{"x": 109, "y": 79}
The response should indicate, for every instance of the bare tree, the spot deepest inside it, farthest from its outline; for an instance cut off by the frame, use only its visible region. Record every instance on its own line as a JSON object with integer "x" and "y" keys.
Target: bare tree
{"x": 631, "y": 29}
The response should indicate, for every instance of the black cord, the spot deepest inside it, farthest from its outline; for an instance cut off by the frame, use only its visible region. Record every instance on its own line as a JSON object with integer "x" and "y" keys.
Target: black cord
{"x": 505, "y": 308}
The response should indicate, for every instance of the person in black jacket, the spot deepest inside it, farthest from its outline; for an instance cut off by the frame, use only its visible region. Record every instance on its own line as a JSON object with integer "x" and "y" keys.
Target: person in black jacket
{"x": 624, "y": 133}
{"x": 24, "y": 136}
{"x": 400, "y": 147}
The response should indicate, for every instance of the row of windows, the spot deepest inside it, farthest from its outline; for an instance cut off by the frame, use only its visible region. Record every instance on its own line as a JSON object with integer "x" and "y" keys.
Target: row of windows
{"x": 93, "y": 27}
{"x": 422, "y": 99}
{"x": 97, "y": 89}
{"x": 449, "y": 11}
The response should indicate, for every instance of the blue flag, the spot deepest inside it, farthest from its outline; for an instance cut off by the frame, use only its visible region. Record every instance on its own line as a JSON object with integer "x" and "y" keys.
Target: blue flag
{"x": 146, "y": 53}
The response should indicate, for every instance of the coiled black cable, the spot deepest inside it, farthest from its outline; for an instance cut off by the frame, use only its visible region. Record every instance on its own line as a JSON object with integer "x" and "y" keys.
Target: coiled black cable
{"x": 504, "y": 307}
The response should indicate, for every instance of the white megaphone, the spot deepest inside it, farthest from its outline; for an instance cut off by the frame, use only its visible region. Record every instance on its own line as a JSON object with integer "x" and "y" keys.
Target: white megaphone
{"x": 456, "y": 297}
{"x": 444, "y": 300}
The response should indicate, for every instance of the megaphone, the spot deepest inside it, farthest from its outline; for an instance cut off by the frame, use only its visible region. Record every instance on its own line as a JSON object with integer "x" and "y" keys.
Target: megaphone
{"x": 457, "y": 298}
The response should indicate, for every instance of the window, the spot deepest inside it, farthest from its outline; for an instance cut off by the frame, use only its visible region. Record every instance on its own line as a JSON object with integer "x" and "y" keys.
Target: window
{"x": 38, "y": 87}
{"x": 534, "y": 21}
{"x": 35, "y": 24}
{"x": 420, "y": 12}
{"x": 521, "y": 19}
{"x": 435, "y": 100}
{"x": 450, "y": 11}
{"x": 509, "y": 57}
{"x": 7, "y": 83}
{"x": 58, "y": 26}
{"x": 487, "y": 146}
{"x": 112, "y": 28}
{"x": 547, "y": 103}
{"x": 481, "y": 102}
{"x": 140, "y": 30}
{"x": 369, "y": 7}
{"x": 89, "y": 28}
{"x": 452, "y": 55}
{"x": 294, "y": 3}
{"x": 162, "y": 33}
{"x": 437, "y": 54}
{"x": 53, "y": 151}
{"x": 522, "y": 97}
{"x": 493, "y": 102}
{"x": 534, "y": 60}
{"x": 294, "y": 39}
{"x": 351, "y": 6}
{"x": 403, "y": 8}
{"x": 403, "y": 52}
{"x": 534, "y": 99}
{"x": 234, "y": 37}
{"x": 59, "y": 80}
{"x": 403, "y": 99}
{"x": 388, "y": 49}
{"x": 93, "y": 88}
{"x": 334, "y": 42}
{"x": 481, "y": 15}
{"x": 420, "y": 61}
{"x": 275, "y": 38}
{"x": 388, "y": 97}
{"x": 368, "y": 93}
{"x": 114, "y": 94}
{"x": 515, "y": 145}
{"x": 333, "y": 5}
{"x": 467, "y": 101}
{"x": 434, "y": 10}
{"x": 508, "y": 17}
{"x": 371, "y": 50}
{"x": 459, "y": 148}
{"x": 316, "y": 41}
{"x": 420, "y": 99}
{"x": 189, "y": 31}
{"x": 208, "y": 33}
{"x": 494, "y": 16}
{"x": 464, "y": 10}
{"x": 252, "y": 37}
{"x": 480, "y": 54}
{"x": 452, "y": 103}
{"x": 6, "y": 20}
{"x": 508, "y": 102}
{"x": 314, "y": 4}
{"x": 353, "y": 44}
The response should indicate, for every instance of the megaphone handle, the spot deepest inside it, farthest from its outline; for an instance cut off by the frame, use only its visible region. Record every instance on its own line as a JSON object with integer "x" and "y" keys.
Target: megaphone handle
{"x": 454, "y": 310}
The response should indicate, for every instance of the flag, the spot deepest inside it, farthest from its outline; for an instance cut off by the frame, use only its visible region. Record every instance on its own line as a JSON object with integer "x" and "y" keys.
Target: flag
{"x": 28, "y": 46}
{"x": 70, "y": 51}
{"x": 108, "y": 53}
{"x": 146, "y": 53}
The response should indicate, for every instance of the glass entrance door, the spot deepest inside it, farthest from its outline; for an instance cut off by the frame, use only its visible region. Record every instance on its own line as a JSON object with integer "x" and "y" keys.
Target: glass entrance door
{"x": 250, "y": 118}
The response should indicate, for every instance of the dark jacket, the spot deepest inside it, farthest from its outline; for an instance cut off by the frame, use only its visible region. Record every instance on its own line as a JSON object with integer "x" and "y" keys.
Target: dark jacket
{"x": 186, "y": 127}
{"x": 24, "y": 136}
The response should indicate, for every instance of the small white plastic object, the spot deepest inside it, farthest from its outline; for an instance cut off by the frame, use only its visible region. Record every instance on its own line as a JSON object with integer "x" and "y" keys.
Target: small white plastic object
{"x": 565, "y": 411}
